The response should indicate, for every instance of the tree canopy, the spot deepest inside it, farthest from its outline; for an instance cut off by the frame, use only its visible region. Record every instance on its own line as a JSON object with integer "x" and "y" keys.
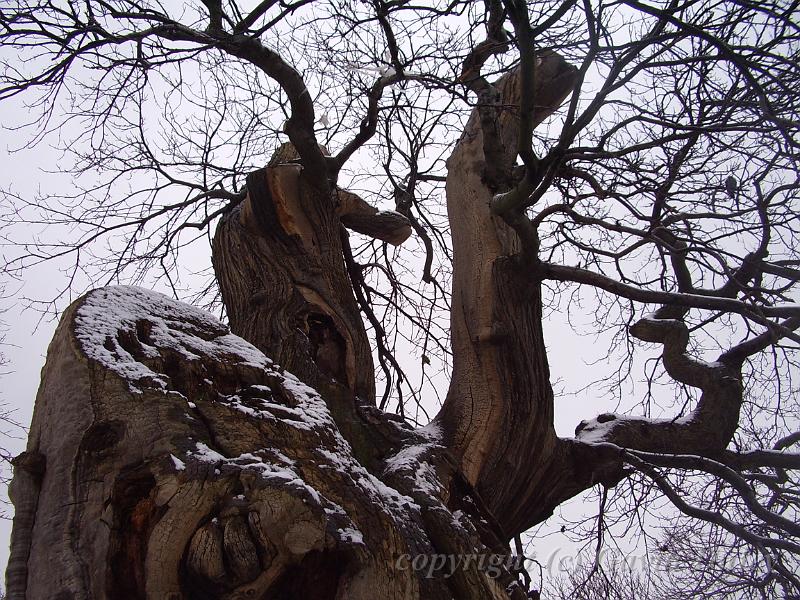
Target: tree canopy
{"x": 660, "y": 201}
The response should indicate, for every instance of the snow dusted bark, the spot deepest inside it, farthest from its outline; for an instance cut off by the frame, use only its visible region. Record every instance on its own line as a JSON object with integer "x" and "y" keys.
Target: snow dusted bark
{"x": 498, "y": 415}
{"x": 707, "y": 430}
{"x": 175, "y": 460}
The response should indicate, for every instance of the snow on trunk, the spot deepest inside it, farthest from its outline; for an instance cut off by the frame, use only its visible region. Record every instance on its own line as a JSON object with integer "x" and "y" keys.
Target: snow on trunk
{"x": 169, "y": 458}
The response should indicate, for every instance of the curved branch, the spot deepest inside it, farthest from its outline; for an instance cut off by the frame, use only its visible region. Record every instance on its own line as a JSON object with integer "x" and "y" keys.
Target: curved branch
{"x": 708, "y": 302}
{"x": 300, "y": 125}
{"x": 706, "y": 515}
{"x": 718, "y": 469}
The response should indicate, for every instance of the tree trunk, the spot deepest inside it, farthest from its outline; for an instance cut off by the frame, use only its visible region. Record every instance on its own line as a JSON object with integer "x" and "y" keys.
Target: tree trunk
{"x": 169, "y": 458}
{"x": 498, "y": 415}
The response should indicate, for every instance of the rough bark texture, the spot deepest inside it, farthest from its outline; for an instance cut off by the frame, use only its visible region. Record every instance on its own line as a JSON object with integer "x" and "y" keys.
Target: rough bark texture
{"x": 170, "y": 459}
{"x": 278, "y": 259}
{"x": 498, "y": 415}
{"x": 499, "y": 409}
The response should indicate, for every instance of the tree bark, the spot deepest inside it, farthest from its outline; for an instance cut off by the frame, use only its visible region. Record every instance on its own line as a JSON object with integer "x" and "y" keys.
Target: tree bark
{"x": 278, "y": 261}
{"x": 498, "y": 414}
{"x": 169, "y": 458}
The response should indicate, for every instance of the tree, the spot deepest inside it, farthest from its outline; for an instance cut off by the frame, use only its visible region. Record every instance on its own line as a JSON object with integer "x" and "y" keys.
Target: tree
{"x": 666, "y": 185}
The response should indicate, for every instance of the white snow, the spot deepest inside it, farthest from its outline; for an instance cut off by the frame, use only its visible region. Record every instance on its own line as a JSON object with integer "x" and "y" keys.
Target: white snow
{"x": 394, "y": 501}
{"x": 594, "y": 431}
{"x": 432, "y": 431}
{"x": 459, "y": 519}
{"x": 151, "y": 323}
{"x": 205, "y": 454}
{"x": 108, "y": 312}
{"x": 352, "y": 535}
{"x": 411, "y": 461}
{"x": 407, "y": 458}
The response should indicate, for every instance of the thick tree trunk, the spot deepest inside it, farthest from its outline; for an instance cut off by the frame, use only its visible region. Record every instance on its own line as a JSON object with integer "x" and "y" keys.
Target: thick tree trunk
{"x": 169, "y": 458}
{"x": 278, "y": 260}
{"x": 498, "y": 415}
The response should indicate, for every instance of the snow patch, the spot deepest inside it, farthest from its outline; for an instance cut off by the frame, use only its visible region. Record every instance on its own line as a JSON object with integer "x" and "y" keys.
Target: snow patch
{"x": 112, "y": 319}
{"x": 411, "y": 461}
{"x": 432, "y": 432}
{"x": 205, "y": 454}
{"x": 598, "y": 429}
{"x": 349, "y": 534}
{"x": 152, "y": 321}
{"x": 601, "y": 428}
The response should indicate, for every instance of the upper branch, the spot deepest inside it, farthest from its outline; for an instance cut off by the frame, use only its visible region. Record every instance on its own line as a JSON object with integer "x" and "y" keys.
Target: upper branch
{"x": 639, "y": 294}
{"x": 300, "y": 125}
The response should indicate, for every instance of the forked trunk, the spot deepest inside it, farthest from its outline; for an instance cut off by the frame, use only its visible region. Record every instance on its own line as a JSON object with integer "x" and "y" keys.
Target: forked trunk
{"x": 169, "y": 458}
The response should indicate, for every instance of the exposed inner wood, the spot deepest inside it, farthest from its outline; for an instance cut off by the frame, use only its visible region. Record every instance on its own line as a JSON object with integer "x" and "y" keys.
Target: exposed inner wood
{"x": 499, "y": 408}
{"x": 278, "y": 260}
{"x": 184, "y": 465}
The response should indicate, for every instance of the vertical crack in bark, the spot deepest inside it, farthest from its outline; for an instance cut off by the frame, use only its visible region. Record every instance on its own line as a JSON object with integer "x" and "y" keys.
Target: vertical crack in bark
{"x": 29, "y": 468}
{"x": 135, "y": 516}
{"x": 279, "y": 262}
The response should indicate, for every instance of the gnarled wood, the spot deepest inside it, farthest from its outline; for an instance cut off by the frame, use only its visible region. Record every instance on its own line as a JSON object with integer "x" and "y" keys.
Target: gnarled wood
{"x": 499, "y": 408}
{"x": 498, "y": 416}
{"x": 171, "y": 459}
{"x": 182, "y": 463}
{"x": 278, "y": 260}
